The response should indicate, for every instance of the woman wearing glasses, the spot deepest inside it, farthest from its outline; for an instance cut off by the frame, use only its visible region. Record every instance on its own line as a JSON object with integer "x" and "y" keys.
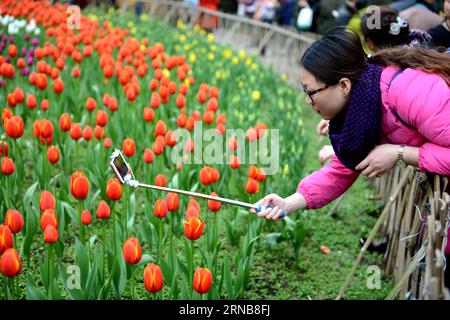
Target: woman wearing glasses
{"x": 392, "y": 107}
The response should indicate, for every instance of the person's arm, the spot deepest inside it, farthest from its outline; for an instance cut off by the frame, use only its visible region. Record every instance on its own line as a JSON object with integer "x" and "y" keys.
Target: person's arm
{"x": 323, "y": 186}
{"x": 424, "y": 103}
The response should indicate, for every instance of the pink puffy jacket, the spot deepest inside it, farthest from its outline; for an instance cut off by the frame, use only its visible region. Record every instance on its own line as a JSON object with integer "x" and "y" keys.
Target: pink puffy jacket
{"x": 415, "y": 112}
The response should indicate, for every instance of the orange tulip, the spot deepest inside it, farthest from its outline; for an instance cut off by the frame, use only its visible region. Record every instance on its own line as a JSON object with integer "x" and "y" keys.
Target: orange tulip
{"x": 253, "y": 172}
{"x": 131, "y": 251}
{"x": 193, "y": 228}
{"x": 14, "y": 127}
{"x": 79, "y": 185}
{"x": 232, "y": 144}
{"x": 180, "y": 101}
{"x": 10, "y": 263}
{"x": 51, "y": 234}
{"x": 46, "y": 129}
{"x": 14, "y": 220}
{"x": 128, "y": 147}
{"x": 252, "y": 134}
{"x": 7, "y": 166}
{"x": 103, "y": 210}
{"x": 47, "y": 201}
{"x": 155, "y": 100}
{"x": 6, "y": 238}
{"x": 49, "y": 218}
{"x": 202, "y": 280}
{"x": 160, "y": 209}
{"x": 158, "y": 147}
{"x": 214, "y": 205}
{"x": 65, "y": 122}
{"x": 208, "y": 117}
{"x": 153, "y": 278}
{"x": 252, "y": 186}
{"x": 53, "y": 154}
{"x": 86, "y": 217}
{"x": 113, "y": 189}
{"x": 261, "y": 175}
{"x": 212, "y": 105}
{"x": 172, "y": 201}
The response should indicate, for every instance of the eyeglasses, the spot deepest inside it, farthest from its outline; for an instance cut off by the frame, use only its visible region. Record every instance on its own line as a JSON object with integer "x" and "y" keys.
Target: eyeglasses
{"x": 310, "y": 93}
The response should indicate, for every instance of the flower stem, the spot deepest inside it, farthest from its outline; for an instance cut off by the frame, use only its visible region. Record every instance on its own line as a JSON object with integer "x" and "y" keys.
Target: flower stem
{"x": 132, "y": 282}
{"x": 50, "y": 270}
{"x": 191, "y": 268}
{"x": 80, "y": 209}
{"x": 104, "y": 250}
{"x": 160, "y": 240}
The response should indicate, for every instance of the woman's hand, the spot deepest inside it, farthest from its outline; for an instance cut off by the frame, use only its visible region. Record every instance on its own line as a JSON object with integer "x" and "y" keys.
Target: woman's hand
{"x": 275, "y": 201}
{"x": 322, "y": 127}
{"x": 379, "y": 161}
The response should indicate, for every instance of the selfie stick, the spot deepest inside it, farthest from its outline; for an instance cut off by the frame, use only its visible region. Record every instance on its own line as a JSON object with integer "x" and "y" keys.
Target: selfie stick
{"x": 131, "y": 181}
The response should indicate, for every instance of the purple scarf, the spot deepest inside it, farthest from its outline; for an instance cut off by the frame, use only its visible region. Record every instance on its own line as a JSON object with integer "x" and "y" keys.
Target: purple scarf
{"x": 355, "y": 131}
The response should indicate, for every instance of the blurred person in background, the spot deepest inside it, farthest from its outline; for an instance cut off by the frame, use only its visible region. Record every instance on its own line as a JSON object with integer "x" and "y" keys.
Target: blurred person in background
{"x": 422, "y": 15}
{"x": 265, "y": 10}
{"x": 287, "y": 11}
{"x": 207, "y": 21}
{"x": 441, "y": 33}
{"x": 314, "y": 6}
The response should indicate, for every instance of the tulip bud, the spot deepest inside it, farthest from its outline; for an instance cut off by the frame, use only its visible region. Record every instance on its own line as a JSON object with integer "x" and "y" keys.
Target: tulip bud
{"x": 113, "y": 189}
{"x": 132, "y": 252}
{"x": 79, "y": 185}
{"x": 47, "y": 201}
{"x": 51, "y": 234}
{"x": 14, "y": 221}
{"x": 86, "y": 217}
{"x": 202, "y": 280}
{"x": 193, "y": 228}
{"x": 10, "y": 263}
{"x": 7, "y": 166}
{"x": 6, "y": 238}
{"x": 103, "y": 210}
{"x": 153, "y": 278}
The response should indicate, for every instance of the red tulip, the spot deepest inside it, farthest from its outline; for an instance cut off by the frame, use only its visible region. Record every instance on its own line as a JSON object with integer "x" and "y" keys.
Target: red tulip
{"x": 49, "y": 218}
{"x": 91, "y": 104}
{"x": 53, "y": 154}
{"x": 208, "y": 117}
{"x": 172, "y": 200}
{"x": 234, "y": 162}
{"x": 232, "y": 144}
{"x": 132, "y": 252}
{"x": 148, "y": 156}
{"x": 193, "y": 203}
{"x": 214, "y": 205}
{"x": 160, "y": 180}
{"x": 65, "y": 122}
{"x": 252, "y": 186}
{"x": 193, "y": 228}
{"x": 253, "y": 172}
{"x": 160, "y": 209}
{"x": 75, "y": 131}
{"x": 7, "y": 166}
{"x": 107, "y": 143}
{"x": 171, "y": 138}
{"x": 99, "y": 132}
{"x": 31, "y": 101}
{"x": 79, "y": 185}
{"x": 128, "y": 147}
{"x": 160, "y": 129}
{"x": 102, "y": 118}
{"x": 149, "y": 114}
{"x": 6, "y": 238}
{"x": 10, "y": 263}
{"x": 86, "y": 217}
{"x": 158, "y": 147}
{"x": 153, "y": 278}
{"x": 252, "y": 134}
{"x": 192, "y": 212}
{"x": 51, "y": 234}
{"x": 212, "y": 105}
{"x": 58, "y": 85}
{"x": 103, "y": 210}
{"x": 47, "y": 201}
{"x": 14, "y": 220}
{"x": 87, "y": 133}
{"x": 113, "y": 189}
{"x": 180, "y": 101}
{"x": 45, "y": 104}
{"x": 202, "y": 280}
{"x": 14, "y": 127}
{"x": 155, "y": 100}
{"x": 206, "y": 176}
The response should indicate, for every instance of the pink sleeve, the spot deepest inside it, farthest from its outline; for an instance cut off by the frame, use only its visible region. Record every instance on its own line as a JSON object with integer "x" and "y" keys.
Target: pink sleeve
{"x": 326, "y": 184}
{"x": 425, "y": 104}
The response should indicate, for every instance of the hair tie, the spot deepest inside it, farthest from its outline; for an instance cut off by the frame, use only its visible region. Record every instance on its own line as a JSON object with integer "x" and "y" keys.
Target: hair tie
{"x": 396, "y": 26}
